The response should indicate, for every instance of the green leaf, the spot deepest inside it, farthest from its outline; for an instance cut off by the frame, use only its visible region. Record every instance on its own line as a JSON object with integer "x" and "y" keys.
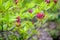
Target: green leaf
{"x": 7, "y": 5}
{"x": 25, "y": 28}
{"x": 30, "y": 5}
{"x": 4, "y": 27}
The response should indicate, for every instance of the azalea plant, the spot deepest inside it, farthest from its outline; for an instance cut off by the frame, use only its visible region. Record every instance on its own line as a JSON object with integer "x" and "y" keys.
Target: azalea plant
{"x": 25, "y": 16}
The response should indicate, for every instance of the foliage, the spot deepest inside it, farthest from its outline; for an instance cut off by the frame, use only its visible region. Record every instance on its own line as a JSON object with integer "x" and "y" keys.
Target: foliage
{"x": 11, "y": 9}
